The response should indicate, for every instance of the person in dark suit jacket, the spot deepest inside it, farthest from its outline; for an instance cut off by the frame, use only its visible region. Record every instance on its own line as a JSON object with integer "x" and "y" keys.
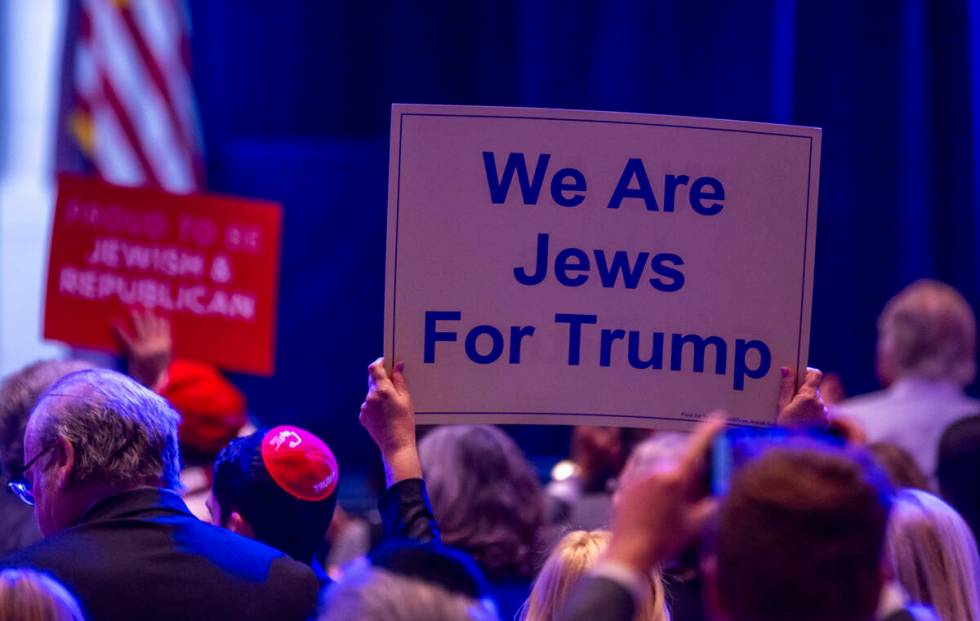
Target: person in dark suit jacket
{"x": 101, "y": 463}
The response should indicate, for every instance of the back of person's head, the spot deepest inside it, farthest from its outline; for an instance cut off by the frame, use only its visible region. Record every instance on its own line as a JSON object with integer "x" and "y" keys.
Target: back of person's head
{"x": 800, "y": 536}
{"x": 958, "y": 470}
{"x": 934, "y": 555}
{"x": 660, "y": 450}
{"x": 212, "y": 410}
{"x": 899, "y": 465}
{"x": 19, "y": 394}
{"x": 485, "y": 495}
{"x": 27, "y": 595}
{"x": 434, "y": 564}
{"x": 927, "y": 331}
{"x": 103, "y": 433}
{"x": 278, "y": 487}
{"x": 375, "y": 594}
{"x": 572, "y": 557}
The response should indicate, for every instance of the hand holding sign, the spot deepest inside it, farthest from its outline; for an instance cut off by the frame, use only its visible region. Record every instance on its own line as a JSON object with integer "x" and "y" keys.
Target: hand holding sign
{"x": 389, "y": 418}
{"x": 808, "y": 408}
{"x": 804, "y": 407}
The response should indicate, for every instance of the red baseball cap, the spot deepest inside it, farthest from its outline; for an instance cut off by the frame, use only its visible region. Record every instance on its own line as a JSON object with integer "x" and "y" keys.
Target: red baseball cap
{"x": 300, "y": 463}
{"x": 212, "y": 410}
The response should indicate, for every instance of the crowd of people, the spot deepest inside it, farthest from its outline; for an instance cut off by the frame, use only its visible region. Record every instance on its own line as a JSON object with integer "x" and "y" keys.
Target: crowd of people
{"x": 149, "y": 496}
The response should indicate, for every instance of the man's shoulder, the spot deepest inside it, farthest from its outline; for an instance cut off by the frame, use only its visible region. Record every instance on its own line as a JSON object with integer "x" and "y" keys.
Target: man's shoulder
{"x": 228, "y": 575}
{"x": 35, "y": 554}
{"x": 893, "y": 404}
{"x": 868, "y": 404}
{"x": 102, "y": 545}
{"x": 872, "y": 397}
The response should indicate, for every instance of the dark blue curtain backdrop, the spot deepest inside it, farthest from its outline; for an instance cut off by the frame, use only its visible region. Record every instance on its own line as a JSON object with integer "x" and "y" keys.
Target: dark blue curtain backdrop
{"x": 295, "y": 101}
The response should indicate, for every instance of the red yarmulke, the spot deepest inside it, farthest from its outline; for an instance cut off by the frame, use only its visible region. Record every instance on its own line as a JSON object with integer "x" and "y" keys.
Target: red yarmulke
{"x": 212, "y": 410}
{"x": 300, "y": 463}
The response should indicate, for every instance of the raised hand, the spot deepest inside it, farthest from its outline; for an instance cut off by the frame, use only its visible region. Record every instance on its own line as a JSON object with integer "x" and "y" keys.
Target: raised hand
{"x": 658, "y": 516}
{"x": 804, "y": 407}
{"x": 148, "y": 347}
{"x": 389, "y": 418}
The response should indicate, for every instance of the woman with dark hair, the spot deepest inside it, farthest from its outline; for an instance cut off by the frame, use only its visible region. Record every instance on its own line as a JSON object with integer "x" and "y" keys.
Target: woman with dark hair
{"x": 488, "y": 502}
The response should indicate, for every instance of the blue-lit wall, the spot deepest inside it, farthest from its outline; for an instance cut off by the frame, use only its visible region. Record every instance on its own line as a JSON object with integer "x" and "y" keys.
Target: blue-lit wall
{"x": 295, "y": 101}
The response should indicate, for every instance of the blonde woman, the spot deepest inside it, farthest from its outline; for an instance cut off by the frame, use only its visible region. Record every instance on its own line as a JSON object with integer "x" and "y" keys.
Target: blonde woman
{"x": 934, "y": 555}
{"x": 572, "y": 557}
{"x": 27, "y": 595}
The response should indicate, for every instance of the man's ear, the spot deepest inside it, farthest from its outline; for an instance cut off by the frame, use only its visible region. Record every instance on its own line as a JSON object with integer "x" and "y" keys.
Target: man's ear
{"x": 62, "y": 464}
{"x": 709, "y": 588}
{"x": 238, "y": 524}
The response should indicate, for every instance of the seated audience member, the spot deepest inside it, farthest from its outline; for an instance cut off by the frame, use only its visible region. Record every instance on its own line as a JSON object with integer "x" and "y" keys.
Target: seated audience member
{"x": 278, "y": 487}
{"x": 576, "y": 553}
{"x": 799, "y": 536}
{"x": 899, "y": 466}
{"x": 18, "y": 395}
{"x": 959, "y": 469}
{"x": 27, "y": 595}
{"x": 934, "y": 555}
{"x": 926, "y": 355}
{"x": 102, "y": 461}
{"x": 410, "y": 582}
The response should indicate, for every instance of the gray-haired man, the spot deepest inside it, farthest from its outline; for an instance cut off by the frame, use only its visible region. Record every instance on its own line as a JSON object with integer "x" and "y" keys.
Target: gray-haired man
{"x": 101, "y": 461}
{"x": 19, "y": 393}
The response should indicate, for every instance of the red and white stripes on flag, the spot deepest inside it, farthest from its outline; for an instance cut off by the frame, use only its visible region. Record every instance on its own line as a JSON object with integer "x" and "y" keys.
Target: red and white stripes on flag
{"x": 133, "y": 113}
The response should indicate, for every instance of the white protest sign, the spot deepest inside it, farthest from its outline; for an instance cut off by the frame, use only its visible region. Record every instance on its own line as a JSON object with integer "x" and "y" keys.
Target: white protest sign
{"x": 558, "y": 266}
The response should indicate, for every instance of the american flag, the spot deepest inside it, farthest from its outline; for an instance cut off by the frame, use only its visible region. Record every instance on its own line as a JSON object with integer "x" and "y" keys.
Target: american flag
{"x": 131, "y": 110}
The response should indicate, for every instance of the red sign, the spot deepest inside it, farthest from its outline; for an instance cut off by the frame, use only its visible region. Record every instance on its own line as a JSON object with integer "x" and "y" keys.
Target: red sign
{"x": 209, "y": 263}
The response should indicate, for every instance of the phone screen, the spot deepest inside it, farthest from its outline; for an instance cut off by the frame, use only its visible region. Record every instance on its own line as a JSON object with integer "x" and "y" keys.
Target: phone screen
{"x": 737, "y": 446}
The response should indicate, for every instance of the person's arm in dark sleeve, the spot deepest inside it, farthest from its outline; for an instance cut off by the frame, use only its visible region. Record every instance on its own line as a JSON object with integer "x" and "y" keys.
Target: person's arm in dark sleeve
{"x": 407, "y": 514}
{"x": 600, "y": 598}
{"x": 389, "y": 418}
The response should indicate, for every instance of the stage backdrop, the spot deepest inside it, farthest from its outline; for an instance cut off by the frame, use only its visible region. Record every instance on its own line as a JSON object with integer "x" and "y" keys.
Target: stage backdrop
{"x": 295, "y": 100}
